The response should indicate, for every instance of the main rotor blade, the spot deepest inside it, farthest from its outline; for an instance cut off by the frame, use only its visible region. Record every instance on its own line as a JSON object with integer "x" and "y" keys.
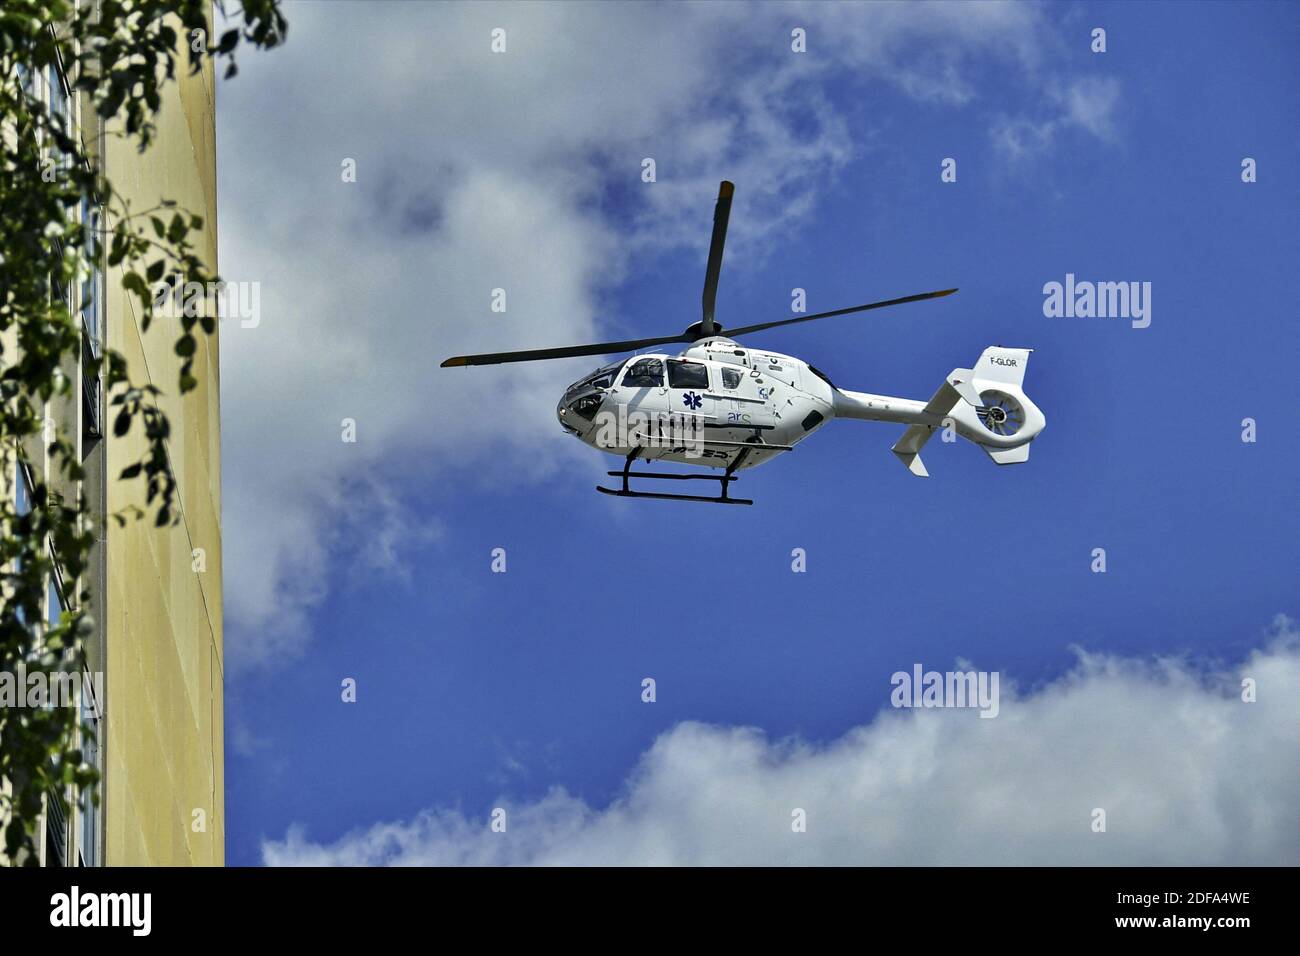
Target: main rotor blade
{"x": 721, "y": 213}
{"x": 567, "y": 351}
{"x": 732, "y": 333}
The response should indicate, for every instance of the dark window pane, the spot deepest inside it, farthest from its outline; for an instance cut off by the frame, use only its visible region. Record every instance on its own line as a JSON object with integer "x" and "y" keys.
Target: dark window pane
{"x": 731, "y": 378}
{"x": 688, "y": 375}
{"x": 588, "y": 406}
{"x": 645, "y": 373}
{"x": 23, "y": 502}
{"x": 601, "y": 378}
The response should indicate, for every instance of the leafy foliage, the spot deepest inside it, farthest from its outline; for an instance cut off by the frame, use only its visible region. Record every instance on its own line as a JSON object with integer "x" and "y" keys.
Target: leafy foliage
{"x": 118, "y": 55}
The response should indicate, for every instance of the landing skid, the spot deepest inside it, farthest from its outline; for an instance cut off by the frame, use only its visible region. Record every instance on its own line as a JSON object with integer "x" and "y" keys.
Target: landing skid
{"x": 724, "y": 479}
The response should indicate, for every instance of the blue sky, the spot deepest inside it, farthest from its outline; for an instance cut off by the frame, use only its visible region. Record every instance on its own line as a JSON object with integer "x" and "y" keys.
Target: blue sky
{"x": 478, "y": 690}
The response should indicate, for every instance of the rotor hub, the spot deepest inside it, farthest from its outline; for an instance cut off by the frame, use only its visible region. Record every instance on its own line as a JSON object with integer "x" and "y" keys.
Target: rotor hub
{"x": 697, "y": 331}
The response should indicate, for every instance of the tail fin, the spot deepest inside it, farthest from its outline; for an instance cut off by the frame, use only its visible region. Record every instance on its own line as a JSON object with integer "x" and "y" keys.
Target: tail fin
{"x": 1006, "y": 366}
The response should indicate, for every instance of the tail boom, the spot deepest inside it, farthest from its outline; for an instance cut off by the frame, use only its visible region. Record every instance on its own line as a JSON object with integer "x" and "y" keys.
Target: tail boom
{"x": 985, "y": 405}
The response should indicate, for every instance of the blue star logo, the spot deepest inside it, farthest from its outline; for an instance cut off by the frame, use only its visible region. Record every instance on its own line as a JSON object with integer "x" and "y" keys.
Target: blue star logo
{"x": 692, "y": 401}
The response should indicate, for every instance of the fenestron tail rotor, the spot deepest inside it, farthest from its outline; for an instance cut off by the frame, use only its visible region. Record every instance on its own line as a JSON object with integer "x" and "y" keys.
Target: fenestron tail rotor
{"x": 1001, "y": 414}
{"x": 707, "y": 326}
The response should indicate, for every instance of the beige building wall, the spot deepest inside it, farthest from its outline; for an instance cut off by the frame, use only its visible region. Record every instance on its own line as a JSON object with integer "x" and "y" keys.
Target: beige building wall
{"x": 163, "y": 787}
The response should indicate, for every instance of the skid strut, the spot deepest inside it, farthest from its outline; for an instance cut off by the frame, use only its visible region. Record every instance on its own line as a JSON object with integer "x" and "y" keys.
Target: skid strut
{"x": 725, "y": 479}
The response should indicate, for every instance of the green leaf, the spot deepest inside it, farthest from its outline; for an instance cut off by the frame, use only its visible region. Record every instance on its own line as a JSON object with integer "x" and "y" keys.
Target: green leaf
{"x": 176, "y": 229}
{"x": 132, "y": 282}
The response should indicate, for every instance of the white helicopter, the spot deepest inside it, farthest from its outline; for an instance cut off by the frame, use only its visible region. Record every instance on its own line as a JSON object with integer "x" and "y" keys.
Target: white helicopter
{"x": 725, "y": 406}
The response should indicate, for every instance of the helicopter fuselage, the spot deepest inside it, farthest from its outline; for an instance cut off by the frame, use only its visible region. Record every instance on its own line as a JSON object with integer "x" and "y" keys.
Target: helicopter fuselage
{"x": 730, "y": 407}
{"x": 717, "y": 399}
{"x": 701, "y": 406}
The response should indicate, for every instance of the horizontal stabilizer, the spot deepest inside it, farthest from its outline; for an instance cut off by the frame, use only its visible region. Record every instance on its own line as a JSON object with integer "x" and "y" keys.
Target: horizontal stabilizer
{"x": 957, "y": 387}
{"x": 960, "y": 382}
{"x": 908, "y": 449}
{"x": 1008, "y": 456}
{"x": 913, "y": 462}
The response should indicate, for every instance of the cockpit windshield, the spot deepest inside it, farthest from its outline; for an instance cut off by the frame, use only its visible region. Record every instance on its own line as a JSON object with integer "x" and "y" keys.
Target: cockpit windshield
{"x": 601, "y": 378}
{"x": 645, "y": 373}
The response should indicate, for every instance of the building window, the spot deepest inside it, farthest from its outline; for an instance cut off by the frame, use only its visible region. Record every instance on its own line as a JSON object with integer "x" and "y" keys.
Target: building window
{"x": 90, "y": 280}
{"x": 61, "y": 293}
{"x": 22, "y": 506}
{"x": 56, "y": 809}
{"x": 91, "y": 325}
{"x": 22, "y": 490}
{"x": 88, "y": 834}
{"x": 56, "y": 830}
{"x": 60, "y": 113}
{"x": 55, "y": 605}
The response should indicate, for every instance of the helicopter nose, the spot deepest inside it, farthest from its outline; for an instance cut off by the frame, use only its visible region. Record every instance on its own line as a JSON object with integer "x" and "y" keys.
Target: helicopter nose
{"x": 569, "y": 419}
{"x": 578, "y": 414}
{"x": 562, "y": 413}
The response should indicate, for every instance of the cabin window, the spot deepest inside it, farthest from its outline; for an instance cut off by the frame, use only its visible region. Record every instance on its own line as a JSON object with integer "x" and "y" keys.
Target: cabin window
{"x": 645, "y": 373}
{"x": 688, "y": 375}
{"x": 731, "y": 378}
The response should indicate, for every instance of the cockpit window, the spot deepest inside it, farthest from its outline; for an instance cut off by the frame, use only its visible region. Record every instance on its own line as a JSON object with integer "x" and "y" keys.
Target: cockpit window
{"x": 601, "y": 378}
{"x": 687, "y": 374}
{"x": 587, "y": 406}
{"x": 731, "y": 378}
{"x": 645, "y": 373}
{"x": 605, "y": 377}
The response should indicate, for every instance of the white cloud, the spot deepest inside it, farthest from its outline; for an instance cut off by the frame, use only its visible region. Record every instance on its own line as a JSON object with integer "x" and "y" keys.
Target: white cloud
{"x": 1187, "y": 773}
{"x": 1087, "y": 103}
{"x": 1091, "y": 103}
{"x": 479, "y": 171}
